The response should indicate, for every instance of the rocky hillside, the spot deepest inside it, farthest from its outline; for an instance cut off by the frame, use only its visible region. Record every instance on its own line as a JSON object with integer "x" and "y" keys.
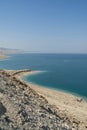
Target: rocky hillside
{"x": 21, "y": 108}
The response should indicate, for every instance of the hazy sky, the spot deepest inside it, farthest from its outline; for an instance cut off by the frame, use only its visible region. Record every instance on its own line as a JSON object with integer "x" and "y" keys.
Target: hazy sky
{"x": 54, "y": 26}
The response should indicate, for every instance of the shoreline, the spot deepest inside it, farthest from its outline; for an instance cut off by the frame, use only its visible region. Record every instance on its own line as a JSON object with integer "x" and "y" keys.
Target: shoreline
{"x": 72, "y": 106}
{"x": 23, "y": 78}
{"x": 33, "y": 72}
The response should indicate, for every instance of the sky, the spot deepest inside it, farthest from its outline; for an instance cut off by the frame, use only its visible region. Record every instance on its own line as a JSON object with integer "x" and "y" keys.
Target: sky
{"x": 44, "y": 26}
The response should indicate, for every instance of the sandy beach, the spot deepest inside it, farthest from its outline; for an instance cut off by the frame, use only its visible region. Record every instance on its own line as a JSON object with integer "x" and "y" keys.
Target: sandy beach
{"x": 74, "y": 107}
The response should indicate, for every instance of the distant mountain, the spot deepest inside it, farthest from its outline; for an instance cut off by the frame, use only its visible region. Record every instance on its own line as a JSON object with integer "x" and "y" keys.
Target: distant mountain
{"x": 10, "y": 51}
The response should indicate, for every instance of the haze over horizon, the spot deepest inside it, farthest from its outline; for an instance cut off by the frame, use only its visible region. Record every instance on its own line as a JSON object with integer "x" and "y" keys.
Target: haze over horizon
{"x": 45, "y": 26}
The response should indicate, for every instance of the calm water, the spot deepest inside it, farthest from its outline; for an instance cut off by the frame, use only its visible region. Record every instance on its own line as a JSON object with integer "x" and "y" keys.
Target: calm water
{"x": 67, "y": 72}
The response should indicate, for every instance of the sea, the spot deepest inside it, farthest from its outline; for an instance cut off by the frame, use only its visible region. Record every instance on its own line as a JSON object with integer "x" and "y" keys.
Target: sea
{"x": 64, "y": 72}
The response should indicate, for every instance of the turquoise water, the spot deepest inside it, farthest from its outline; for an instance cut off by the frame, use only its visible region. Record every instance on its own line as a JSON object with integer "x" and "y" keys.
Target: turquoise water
{"x": 67, "y": 72}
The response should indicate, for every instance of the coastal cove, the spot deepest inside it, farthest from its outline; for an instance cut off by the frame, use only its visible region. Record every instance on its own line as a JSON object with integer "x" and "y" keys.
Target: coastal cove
{"x": 31, "y": 79}
{"x": 17, "y": 67}
{"x": 65, "y": 72}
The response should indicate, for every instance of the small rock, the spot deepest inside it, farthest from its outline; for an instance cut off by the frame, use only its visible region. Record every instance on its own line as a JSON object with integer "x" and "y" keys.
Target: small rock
{"x": 2, "y": 109}
{"x": 79, "y": 99}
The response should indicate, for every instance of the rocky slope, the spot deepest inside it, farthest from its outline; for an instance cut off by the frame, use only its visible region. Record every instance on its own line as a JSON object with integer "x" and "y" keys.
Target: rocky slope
{"x": 21, "y": 108}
